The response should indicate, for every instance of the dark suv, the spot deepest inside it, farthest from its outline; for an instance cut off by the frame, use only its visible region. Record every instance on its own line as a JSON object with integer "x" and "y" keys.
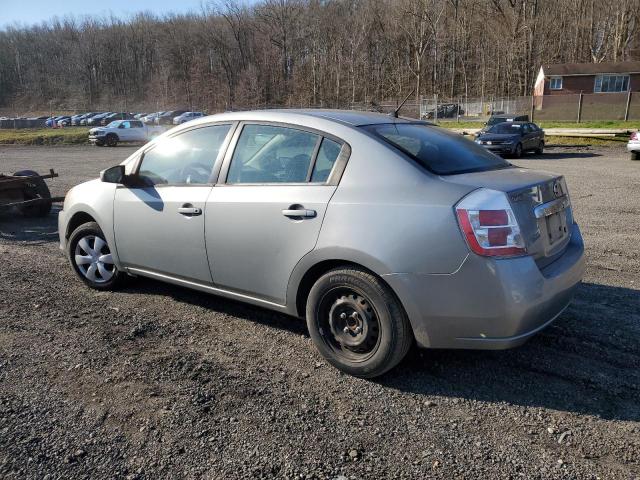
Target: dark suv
{"x": 167, "y": 117}
{"x": 512, "y": 138}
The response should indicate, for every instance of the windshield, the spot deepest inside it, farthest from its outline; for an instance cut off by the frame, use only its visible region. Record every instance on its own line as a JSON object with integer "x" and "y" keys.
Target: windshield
{"x": 438, "y": 150}
{"x": 113, "y": 124}
{"x": 505, "y": 128}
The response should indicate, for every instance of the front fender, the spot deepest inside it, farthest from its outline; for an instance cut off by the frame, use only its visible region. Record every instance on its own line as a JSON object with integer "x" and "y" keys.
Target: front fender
{"x": 93, "y": 198}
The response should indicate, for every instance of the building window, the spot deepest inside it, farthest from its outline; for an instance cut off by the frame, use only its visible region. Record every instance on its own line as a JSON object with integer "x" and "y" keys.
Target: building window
{"x": 611, "y": 83}
{"x": 555, "y": 83}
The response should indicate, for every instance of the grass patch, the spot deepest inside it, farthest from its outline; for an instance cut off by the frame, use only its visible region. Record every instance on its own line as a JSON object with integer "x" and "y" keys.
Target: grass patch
{"x": 44, "y": 136}
{"x": 585, "y": 141}
{"x": 632, "y": 125}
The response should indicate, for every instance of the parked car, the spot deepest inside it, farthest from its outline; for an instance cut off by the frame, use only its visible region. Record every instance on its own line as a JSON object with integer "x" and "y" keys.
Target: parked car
{"x": 512, "y": 138}
{"x": 380, "y": 231}
{"x": 115, "y": 116}
{"x": 166, "y": 118}
{"x": 64, "y": 121}
{"x": 52, "y": 122}
{"x": 446, "y": 110}
{"x": 633, "y": 146}
{"x": 96, "y": 119}
{"x": 187, "y": 117}
{"x": 75, "y": 121}
{"x": 496, "y": 119}
{"x": 138, "y": 116}
{"x": 123, "y": 131}
{"x": 150, "y": 118}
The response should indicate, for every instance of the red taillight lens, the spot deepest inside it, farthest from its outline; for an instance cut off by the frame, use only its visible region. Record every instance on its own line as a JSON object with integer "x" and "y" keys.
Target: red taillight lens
{"x": 489, "y": 225}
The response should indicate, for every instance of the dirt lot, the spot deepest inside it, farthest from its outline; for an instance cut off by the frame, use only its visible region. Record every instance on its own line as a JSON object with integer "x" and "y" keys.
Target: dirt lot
{"x": 161, "y": 382}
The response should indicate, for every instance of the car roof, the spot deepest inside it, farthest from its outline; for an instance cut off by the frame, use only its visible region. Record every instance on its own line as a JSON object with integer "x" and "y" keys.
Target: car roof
{"x": 344, "y": 117}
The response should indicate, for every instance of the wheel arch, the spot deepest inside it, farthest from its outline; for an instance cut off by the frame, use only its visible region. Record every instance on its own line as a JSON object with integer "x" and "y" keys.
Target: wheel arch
{"x": 77, "y": 219}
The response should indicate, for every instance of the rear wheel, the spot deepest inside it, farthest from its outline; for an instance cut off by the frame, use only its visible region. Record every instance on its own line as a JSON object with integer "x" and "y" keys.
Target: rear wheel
{"x": 111, "y": 140}
{"x": 635, "y": 155}
{"x": 34, "y": 188}
{"x": 91, "y": 258}
{"x": 357, "y": 323}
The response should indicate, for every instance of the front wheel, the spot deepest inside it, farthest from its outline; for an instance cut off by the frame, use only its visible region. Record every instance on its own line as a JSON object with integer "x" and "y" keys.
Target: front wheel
{"x": 91, "y": 258}
{"x": 540, "y": 149}
{"x": 518, "y": 151}
{"x": 357, "y": 323}
{"x": 111, "y": 140}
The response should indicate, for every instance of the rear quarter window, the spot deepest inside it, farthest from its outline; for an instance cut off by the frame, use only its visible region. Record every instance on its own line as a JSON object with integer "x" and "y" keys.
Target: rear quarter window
{"x": 436, "y": 149}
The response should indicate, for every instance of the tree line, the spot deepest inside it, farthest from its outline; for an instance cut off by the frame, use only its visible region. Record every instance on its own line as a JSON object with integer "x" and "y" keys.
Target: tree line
{"x": 325, "y": 53}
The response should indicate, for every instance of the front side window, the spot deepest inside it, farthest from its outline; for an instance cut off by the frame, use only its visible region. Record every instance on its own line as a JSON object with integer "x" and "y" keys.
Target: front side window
{"x": 438, "y": 150}
{"x": 272, "y": 154}
{"x": 555, "y": 83}
{"x": 611, "y": 83}
{"x": 184, "y": 159}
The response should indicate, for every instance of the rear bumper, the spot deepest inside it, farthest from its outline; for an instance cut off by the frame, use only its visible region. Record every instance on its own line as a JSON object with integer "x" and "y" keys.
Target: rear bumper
{"x": 633, "y": 146}
{"x": 490, "y": 303}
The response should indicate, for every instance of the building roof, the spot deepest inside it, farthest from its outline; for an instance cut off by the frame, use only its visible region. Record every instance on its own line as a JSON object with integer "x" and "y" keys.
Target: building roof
{"x": 591, "y": 68}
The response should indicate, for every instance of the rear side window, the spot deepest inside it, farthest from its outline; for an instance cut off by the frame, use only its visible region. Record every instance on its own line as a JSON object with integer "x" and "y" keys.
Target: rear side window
{"x": 327, "y": 156}
{"x": 272, "y": 154}
{"x": 438, "y": 150}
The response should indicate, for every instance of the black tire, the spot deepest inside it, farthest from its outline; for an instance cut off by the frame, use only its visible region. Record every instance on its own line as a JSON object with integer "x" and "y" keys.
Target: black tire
{"x": 87, "y": 231}
{"x": 384, "y": 335}
{"x": 99, "y": 144}
{"x": 35, "y": 188}
{"x": 111, "y": 140}
{"x": 635, "y": 155}
{"x": 517, "y": 153}
{"x": 540, "y": 149}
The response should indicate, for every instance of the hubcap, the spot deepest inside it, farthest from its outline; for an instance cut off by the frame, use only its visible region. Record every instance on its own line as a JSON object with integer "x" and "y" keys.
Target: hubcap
{"x": 350, "y": 324}
{"x": 93, "y": 259}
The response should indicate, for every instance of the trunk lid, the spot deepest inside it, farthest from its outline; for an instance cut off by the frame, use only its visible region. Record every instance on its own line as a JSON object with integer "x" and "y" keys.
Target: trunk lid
{"x": 540, "y": 202}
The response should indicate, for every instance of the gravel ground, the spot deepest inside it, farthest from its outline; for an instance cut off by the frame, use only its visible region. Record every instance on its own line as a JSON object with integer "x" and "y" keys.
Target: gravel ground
{"x": 160, "y": 382}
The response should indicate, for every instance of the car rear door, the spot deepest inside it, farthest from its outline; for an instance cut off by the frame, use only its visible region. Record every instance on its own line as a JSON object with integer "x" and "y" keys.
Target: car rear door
{"x": 265, "y": 212}
{"x": 159, "y": 222}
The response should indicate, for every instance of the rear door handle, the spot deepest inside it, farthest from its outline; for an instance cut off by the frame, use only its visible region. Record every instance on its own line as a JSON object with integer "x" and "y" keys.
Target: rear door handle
{"x": 189, "y": 211}
{"x": 295, "y": 213}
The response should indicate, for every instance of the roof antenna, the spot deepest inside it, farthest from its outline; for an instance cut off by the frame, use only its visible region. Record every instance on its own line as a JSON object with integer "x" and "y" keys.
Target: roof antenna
{"x": 394, "y": 114}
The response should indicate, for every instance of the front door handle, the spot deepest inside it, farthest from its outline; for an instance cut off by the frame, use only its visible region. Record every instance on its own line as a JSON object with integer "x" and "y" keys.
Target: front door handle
{"x": 189, "y": 210}
{"x": 299, "y": 213}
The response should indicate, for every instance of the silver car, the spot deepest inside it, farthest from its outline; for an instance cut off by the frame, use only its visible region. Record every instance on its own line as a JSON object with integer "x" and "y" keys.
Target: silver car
{"x": 380, "y": 231}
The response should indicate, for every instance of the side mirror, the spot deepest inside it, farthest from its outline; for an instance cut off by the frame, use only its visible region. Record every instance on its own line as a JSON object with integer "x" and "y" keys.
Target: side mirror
{"x": 113, "y": 175}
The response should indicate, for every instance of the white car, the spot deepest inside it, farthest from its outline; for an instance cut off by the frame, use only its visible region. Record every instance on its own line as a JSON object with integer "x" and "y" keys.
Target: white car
{"x": 123, "y": 131}
{"x": 186, "y": 117}
{"x": 633, "y": 146}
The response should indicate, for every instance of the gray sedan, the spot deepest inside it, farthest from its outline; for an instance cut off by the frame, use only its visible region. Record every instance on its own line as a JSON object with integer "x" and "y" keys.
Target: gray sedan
{"x": 381, "y": 232}
{"x": 512, "y": 138}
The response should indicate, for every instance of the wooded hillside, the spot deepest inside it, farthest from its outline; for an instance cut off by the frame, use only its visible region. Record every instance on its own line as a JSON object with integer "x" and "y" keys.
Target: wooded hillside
{"x": 306, "y": 52}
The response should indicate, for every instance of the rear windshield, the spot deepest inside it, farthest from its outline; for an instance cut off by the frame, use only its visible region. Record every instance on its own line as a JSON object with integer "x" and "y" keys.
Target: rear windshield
{"x": 505, "y": 128}
{"x": 440, "y": 151}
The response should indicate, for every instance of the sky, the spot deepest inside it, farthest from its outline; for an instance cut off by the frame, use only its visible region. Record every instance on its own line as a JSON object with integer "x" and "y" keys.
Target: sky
{"x": 29, "y": 12}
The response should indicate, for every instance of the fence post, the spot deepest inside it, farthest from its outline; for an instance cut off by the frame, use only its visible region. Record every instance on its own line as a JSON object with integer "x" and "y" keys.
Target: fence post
{"x": 435, "y": 112}
{"x": 579, "y": 108}
{"x": 533, "y": 107}
{"x": 626, "y": 110}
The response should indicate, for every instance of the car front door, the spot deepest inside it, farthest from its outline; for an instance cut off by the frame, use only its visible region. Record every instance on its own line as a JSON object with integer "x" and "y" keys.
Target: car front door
{"x": 265, "y": 212}
{"x": 159, "y": 220}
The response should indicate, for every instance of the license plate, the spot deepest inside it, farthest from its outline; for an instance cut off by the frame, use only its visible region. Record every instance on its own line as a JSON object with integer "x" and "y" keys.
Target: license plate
{"x": 557, "y": 226}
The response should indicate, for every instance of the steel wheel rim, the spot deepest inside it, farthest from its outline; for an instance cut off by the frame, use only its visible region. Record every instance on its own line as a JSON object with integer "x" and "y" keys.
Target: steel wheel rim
{"x": 93, "y": 259}
{"x": 353, "y": 338}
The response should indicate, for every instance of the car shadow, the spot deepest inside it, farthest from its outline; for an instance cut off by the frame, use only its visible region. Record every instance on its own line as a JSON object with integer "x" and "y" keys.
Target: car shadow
{"x": 38, "y": 230}
{"x": 559, "y": 155}
{"x": 587, "y": 362}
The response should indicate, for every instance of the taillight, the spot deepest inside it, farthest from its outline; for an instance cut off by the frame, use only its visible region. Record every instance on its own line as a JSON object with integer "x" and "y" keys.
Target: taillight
{"x": 634, "y": 136}
{"x": 489, "y": 225}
